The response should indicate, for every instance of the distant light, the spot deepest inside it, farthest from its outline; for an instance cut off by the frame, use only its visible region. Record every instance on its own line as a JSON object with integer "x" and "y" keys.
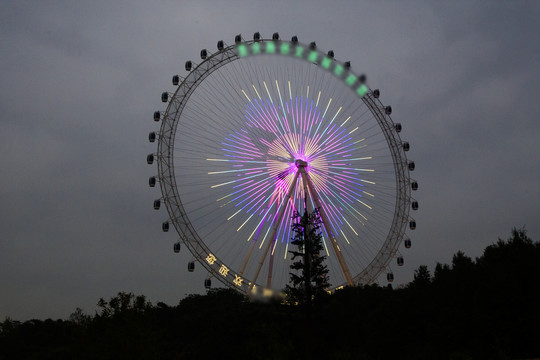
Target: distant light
{"x": 270, "y": 47}
{"x": 350, "y": 80}
{"x": 362, "y": 90}
{"x": 285, "y": 48}
{"x": 242, "y": 50}
{"x": 256, "y": 48}
{"x": 326, "y": 62}
{"x": 338, "y": 70}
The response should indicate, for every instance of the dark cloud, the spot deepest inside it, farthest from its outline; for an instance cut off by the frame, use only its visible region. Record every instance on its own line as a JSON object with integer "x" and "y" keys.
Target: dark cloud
{"x": 79, "y": 84}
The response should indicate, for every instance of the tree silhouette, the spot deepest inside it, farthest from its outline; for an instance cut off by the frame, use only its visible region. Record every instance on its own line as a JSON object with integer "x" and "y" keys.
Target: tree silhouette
{"x": 313, "y": 278}
{"x": 123, "y": 302}
{"x": 422, "y": 277}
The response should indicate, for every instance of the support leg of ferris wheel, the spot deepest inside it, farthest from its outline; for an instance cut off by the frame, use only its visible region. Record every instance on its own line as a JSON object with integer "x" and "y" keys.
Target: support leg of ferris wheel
{"x": 308, "y": 207}
{"x": 249, "y": 254}
{"x": 259, "y": 228}
{"x": 275, "y": 226}
{"x": 261, "y": 225}
{"x": 305, "y": 179}
{"x": 301, "y": 167}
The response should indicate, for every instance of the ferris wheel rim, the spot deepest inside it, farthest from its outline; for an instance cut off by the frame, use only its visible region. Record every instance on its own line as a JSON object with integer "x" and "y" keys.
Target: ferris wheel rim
{"x": 173, "y": 201}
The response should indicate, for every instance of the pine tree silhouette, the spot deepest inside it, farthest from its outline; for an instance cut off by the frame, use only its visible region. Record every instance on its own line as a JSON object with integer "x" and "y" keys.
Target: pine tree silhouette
{"x": 312, "y": 280}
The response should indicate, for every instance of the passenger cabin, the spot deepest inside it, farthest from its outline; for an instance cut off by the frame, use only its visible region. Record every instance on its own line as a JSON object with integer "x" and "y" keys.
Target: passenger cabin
{"x": 406, "y": 146}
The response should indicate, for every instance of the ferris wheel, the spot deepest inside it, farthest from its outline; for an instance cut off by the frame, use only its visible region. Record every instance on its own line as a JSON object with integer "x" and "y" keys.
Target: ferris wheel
{"x": 263, "y": 128}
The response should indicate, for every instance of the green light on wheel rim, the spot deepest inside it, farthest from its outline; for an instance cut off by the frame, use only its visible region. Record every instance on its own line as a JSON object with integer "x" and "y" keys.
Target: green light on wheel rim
{"x": 350, "y": 80}
{"x": 242, "y": 50}
{"x": 256, "y": 48}
{"x": 326, "y": 62}
{"x": 270, "y": 47}
{"x": 362, "y": 90}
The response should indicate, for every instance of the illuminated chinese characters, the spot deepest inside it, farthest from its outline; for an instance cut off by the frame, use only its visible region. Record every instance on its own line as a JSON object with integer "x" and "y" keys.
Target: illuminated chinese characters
{"x": 223, "y": 270}
{"x": 211, "y": 259}
{"x": 237, "y": 280}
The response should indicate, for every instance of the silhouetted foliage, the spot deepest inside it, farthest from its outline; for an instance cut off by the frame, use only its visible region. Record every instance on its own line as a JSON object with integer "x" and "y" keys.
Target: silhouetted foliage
{"x": 310, "y": 276}
{"x": 78, "y": 317}
{"x": 309, "y": 279}
{"x": 122, "y": 303}
{"x": 422, "y": 278}
{"x": 486, "y": 308}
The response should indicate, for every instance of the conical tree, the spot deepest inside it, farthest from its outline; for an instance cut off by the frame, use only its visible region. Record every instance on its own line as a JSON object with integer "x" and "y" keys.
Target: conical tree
{"x": 309, "y": 278}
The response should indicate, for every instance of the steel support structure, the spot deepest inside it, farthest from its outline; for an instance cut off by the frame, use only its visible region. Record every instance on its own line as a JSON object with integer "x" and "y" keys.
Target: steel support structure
{"x": 308, "y": 189}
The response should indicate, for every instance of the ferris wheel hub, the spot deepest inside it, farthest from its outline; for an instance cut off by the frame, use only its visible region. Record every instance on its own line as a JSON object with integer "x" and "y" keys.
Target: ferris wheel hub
{"x": 300, "y": 163}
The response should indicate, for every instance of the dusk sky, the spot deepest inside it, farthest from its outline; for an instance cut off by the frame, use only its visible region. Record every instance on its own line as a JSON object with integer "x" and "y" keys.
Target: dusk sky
{"x": 81, "y": 80}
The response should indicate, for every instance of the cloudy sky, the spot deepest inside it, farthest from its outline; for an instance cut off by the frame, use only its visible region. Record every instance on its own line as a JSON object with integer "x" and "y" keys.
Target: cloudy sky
{"x": 80, "y": 81}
